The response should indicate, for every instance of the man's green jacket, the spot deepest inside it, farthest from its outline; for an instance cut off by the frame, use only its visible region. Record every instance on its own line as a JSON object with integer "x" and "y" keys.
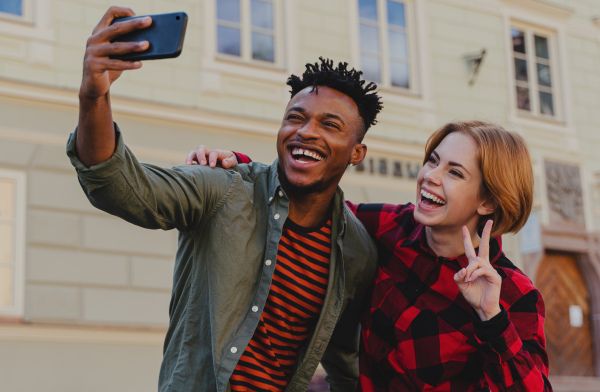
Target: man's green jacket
{"x": 230, "y": 223}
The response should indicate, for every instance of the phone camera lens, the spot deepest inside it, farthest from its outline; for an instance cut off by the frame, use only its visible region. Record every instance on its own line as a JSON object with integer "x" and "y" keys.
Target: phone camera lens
{"x": 177, "y": 17}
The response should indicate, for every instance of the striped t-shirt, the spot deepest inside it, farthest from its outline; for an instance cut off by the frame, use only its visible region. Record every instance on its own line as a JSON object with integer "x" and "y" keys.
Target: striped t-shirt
{"x": 291, "y": 310}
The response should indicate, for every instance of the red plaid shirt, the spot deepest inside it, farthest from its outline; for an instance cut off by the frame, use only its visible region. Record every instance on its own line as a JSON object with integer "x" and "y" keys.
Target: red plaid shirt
{"x": 420, "y": 334}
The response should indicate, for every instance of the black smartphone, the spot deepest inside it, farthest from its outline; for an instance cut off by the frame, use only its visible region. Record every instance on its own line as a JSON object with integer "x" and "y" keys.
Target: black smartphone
{"x": 165, "y": 35}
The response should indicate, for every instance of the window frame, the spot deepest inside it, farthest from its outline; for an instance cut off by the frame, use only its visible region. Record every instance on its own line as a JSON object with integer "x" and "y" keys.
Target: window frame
{"x": 411, "y": 31}
{"x": 530, "y": 31}
{"x": 19, "y": 178}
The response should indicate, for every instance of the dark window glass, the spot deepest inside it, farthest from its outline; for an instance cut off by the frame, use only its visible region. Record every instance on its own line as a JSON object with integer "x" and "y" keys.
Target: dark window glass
{"x": 541, "y": 47}
{"x": 546, "y": 103}
{"x": 395, "y": 11}
{"x": 14, "y": 7}
{"x": 518, "y": 38}
{"x": 263, "y": 47}
{"x": 523, "y": 98}
{"x": 262, "y": 14}
{"x": 367, "y": 9}
{"x": 228, "y": 40}
{"x": 521, "y": 70}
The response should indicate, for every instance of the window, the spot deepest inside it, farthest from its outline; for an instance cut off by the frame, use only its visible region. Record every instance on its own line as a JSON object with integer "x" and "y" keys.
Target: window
{"x": 12, "y": 189}
{"x": 16, "y": 10}
{"x": 535, "y": 73}
{"x": 246, "y": 29}
{"x": 385, "y": 44}
{"x": 14, "y": 7}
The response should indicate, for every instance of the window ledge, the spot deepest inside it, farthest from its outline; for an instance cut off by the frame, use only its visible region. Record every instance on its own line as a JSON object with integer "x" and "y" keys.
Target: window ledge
{"x": 544, "y": 123}
{"x": 403, "y": 97}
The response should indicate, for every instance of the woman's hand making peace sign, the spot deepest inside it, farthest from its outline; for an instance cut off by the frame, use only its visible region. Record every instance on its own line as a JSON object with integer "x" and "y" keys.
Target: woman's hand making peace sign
{"x": 479, "y": 283}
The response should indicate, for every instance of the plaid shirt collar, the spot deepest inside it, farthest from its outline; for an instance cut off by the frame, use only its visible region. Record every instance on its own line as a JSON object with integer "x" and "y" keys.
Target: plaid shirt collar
{"x": 418, "y": 238}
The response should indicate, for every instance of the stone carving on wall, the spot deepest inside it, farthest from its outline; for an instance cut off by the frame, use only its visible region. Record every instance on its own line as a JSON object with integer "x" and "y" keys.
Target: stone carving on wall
{"x": 563, "y": 187}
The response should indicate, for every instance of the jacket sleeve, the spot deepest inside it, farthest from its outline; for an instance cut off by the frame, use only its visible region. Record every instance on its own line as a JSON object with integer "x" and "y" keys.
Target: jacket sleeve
{"x": 149, "y": 196}
{"x": 513, "y": 346}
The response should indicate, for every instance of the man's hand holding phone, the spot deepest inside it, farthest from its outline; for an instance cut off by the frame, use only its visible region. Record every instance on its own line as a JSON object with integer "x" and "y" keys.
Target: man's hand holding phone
{"x": 99, "y": 70}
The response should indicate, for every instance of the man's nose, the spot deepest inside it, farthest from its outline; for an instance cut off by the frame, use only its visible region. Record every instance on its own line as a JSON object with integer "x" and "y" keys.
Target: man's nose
{"x": 309, "y": 130}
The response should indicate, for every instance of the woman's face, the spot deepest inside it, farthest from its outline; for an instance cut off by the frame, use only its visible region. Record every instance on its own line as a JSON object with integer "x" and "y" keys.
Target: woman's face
{"x": 449, "y": 184}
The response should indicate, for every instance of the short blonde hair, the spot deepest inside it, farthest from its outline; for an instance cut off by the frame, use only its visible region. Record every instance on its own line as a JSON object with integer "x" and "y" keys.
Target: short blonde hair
{"x": 505, "y": 165}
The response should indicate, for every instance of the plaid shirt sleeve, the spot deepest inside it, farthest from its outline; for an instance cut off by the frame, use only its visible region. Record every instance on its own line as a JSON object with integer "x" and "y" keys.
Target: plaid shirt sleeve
{"x": 242, "y": 158}
{"x": 513, "y": 343}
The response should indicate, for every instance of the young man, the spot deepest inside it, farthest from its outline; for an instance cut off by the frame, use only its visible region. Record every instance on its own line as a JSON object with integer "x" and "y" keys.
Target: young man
{"x": 272, "y": 268}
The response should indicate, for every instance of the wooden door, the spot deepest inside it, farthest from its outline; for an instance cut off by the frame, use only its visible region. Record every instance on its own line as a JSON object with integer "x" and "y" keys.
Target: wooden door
{"x": 562, "y": 286}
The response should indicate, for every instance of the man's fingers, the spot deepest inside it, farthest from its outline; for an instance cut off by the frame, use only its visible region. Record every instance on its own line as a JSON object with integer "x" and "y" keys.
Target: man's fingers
{"x": 484, "y": 244}
{"x": 116, "y": 48}
{"x": 118, "y": 29}
{"x": 468, "y": 244}
{"x": 110, "y": 15}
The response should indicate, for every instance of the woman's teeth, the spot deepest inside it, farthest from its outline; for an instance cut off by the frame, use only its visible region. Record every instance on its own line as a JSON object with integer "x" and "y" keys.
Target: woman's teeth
{"x": 431, "y": 197}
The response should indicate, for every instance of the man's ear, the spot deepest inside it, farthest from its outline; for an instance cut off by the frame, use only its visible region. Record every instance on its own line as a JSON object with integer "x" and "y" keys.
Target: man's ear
{"x": 359, "y": 152}
{"x": 487, "y": 207}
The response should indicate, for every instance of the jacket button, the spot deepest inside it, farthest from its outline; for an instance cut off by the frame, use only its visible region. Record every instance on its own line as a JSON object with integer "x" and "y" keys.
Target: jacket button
{"x": 268, "y": 262}
{"x": 280, "y": 194}
{"x": 277, "y": 216}
{"x": 233, "y": 350}
{"x": 255, "y": 308}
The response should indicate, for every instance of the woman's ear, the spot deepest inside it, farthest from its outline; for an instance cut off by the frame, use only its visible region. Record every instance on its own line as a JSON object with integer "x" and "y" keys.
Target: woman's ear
{"x": 487, "y": 207}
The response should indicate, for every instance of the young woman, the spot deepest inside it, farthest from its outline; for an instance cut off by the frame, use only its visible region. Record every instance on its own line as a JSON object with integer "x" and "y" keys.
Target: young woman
{"x": 449, "y": 311}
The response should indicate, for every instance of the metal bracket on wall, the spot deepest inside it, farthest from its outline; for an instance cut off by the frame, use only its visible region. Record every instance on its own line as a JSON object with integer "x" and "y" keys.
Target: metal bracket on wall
{"x": 474, "y": 61}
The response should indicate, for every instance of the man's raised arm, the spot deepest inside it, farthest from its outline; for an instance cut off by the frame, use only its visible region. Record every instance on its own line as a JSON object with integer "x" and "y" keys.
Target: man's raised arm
{"x": 95, "y": 134}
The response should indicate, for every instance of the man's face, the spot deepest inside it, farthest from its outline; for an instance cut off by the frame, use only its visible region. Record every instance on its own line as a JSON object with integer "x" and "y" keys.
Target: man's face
{"x": 317, "y": 140}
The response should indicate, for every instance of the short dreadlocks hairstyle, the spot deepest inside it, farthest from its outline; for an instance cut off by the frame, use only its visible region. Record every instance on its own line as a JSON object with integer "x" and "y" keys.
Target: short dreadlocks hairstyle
{"x": 346, "y": 81}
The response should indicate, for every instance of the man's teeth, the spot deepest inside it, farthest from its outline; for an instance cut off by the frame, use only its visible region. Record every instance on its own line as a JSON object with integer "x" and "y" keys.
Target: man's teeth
{"x": 308, "y": 153}
{"x": 432, "y": 197}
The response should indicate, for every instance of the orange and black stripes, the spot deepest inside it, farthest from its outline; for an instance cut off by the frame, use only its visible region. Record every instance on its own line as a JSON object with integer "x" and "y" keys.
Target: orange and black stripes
{"x": 292, "y": 308}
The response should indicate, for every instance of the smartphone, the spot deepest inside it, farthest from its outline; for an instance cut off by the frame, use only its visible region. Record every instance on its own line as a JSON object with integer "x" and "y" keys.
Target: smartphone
{"x": 165, "y": 35}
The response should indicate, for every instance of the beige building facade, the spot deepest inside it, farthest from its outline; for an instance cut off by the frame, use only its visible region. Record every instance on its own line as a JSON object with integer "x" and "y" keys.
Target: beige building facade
{"x": 84, "y": 297}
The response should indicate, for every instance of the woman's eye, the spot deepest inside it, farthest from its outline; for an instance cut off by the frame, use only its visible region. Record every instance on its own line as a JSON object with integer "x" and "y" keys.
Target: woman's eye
{"x": 431, "y": 159}
{"x": 456, "y": 173}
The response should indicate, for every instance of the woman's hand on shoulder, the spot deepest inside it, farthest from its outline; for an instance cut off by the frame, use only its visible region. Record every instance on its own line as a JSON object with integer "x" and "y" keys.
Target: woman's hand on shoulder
{"x": 203, "y": 156}
{"x": 480, "y": 283}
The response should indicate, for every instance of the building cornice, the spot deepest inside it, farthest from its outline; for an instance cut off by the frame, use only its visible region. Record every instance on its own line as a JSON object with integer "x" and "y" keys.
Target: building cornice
{"x": 544, "y": 7}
